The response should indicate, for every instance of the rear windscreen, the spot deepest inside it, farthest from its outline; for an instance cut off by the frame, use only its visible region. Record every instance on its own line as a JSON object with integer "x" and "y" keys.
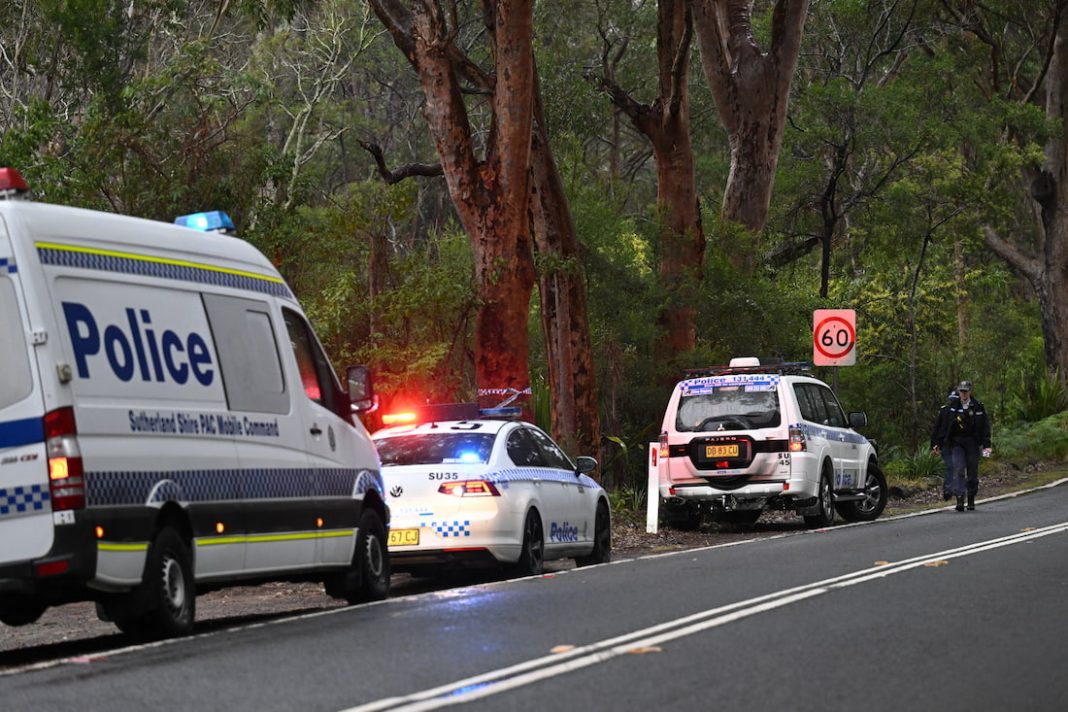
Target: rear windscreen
{"x": 730, "y": 407}
{"x": 15, "y": 373}
{"x": 436, "y": 449}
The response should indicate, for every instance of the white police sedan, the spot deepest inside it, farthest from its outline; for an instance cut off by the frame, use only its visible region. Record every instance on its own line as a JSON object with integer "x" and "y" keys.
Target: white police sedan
{"x": 467, "y": 490}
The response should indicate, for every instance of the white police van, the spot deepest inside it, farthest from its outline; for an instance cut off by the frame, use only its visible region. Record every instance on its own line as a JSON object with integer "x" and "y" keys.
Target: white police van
{"x": 169, "y": 423}
{"x": 763, "y": 434}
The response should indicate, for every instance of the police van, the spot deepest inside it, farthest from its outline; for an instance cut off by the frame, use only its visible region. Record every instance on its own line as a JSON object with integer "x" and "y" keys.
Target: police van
{"x": 169, "y": 423}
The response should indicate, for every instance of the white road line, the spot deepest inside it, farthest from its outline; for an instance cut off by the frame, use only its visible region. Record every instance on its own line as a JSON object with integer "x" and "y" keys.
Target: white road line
{"x": 531, "y": 671}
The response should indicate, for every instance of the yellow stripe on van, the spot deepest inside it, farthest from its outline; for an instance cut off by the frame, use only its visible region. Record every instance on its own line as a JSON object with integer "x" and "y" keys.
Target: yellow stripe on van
{"x": 115, "y": 546}
{"x": 158, "y": 260}
{"x": 265, "y": 538}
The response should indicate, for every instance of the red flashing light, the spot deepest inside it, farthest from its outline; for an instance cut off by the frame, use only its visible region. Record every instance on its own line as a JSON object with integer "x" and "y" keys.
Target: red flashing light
{"x": 66, "y": 479}
{"x": 470, "y": 488}
{"x": 11, "y": 180}
{"x": 398, "y": 418}
{"x": 723, "y": 464}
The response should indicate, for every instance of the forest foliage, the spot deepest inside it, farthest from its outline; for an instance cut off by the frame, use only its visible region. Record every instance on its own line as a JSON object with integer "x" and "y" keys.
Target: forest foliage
{"x": 898, "y": 151}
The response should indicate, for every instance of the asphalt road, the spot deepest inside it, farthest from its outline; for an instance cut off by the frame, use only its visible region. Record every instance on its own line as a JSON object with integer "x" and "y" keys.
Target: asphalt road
{"x": 943, "y": 611}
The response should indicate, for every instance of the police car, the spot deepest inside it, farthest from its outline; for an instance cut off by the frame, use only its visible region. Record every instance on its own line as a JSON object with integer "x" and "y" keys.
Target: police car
{"x": 763, "y": 434}
{"x": 169, "y": 423}
{"x": 465, "y": 489}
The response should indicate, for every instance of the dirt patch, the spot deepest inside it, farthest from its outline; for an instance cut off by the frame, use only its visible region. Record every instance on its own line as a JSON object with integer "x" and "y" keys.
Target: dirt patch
{"x": 74, "y": 629}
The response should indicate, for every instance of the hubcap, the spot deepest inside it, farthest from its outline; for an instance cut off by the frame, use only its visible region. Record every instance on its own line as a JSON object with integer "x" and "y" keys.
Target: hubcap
{"x": 534, "y": 543}
{"x": 872, "y": 492}
{"x": 173, "y": 584}
{"x": 375, "y": 560}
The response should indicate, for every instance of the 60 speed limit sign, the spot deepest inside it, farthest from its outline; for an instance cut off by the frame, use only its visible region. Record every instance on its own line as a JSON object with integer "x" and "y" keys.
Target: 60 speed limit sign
{"x": 834, "y": 337}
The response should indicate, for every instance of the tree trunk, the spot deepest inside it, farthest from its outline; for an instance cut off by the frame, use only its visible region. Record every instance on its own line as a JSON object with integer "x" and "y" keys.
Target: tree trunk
{"x": 751, "y": 90}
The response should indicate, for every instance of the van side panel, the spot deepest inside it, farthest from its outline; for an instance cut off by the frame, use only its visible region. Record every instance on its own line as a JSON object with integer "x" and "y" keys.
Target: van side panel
{"x": 26, "y": 528}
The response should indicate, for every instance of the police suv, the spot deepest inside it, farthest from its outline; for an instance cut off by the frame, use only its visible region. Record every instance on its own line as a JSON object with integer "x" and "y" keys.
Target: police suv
{"x": 168, "y": 423}
{"x": 754, "y": 435}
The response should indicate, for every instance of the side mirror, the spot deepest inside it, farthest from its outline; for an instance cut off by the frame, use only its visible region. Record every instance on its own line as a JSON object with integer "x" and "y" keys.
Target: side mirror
{"x": 857, "y": 420}
{"x": 361, "y": 391}
{"x": 585, "y": 463}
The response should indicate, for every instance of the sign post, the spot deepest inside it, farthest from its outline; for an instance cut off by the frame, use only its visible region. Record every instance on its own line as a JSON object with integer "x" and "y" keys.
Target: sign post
{"x": 834, "y": 337}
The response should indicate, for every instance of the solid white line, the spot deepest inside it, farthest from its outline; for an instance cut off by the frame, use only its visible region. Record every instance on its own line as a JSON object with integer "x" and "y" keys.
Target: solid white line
{"x": 531, "y": 671}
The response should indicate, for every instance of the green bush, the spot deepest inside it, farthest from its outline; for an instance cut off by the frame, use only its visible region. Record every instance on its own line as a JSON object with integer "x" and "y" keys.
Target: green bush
{"x": 1039, "y": 395}
{"x": 1032, "y": 442}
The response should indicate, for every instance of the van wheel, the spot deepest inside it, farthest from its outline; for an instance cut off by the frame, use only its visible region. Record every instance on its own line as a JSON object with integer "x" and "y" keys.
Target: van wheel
{"x": 164, "y": 605}
{"x": 824, "y": 515}
{"x": 874, "y": 502}
{"x": 602, "y": 539}
{"x": 368, "y": 577}
{"x": 532, "y": 559}
{"x": 16, "y": 610}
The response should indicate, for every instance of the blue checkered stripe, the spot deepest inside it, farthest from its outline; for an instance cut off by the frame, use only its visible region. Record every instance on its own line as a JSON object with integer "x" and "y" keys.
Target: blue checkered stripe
{"x": 526, "y": 474}
{"x": 149, "y": 268}
{"x": 446, "y": 529}
{"x": 810, "y": 430}
{"x": 17, "y": 501}
{"x": 7, "y": 266}
{"x": 118, "y": 488}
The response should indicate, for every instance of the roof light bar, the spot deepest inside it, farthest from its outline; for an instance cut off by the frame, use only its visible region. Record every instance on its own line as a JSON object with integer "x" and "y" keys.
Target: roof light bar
{"x": 12, "y": 184}
{"x": 212, "y": 221}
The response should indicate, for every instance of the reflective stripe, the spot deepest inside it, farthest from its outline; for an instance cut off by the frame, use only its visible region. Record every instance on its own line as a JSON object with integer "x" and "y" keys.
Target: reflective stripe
{"x": 14, "y": 433}
{"x": 115, "y": 546}
{"x": 261, "y": 538}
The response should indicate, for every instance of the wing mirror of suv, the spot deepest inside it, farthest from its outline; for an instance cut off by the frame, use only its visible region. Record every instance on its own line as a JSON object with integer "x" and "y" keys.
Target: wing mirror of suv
{"x": 361, "y": 391}
{"x": 857, "y": 420}
{"x": 585, "y": 463}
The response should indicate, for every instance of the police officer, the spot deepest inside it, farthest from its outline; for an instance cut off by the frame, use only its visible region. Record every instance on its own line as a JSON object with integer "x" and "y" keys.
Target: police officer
{"x": 966, "y": 432}
{"x": 946, "y": 453}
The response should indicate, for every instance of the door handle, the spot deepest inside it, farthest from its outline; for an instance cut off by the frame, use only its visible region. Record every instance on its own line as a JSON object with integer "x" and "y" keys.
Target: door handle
{"x": 316, "y": 430}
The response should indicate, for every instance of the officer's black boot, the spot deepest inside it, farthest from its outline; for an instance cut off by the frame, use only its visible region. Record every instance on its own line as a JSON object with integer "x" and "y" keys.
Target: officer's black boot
{"x": 971, "y": 502}
{"x": 960, "y": 504}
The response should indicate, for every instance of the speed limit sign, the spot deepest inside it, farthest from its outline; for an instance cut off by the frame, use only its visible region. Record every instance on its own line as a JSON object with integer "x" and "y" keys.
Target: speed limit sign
{"x": 834, "y": 337}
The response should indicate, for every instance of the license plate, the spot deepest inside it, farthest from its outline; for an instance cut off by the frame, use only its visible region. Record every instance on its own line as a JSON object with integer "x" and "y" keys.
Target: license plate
{"x": 403, "y": 537}
{"x": 714, "y": 451}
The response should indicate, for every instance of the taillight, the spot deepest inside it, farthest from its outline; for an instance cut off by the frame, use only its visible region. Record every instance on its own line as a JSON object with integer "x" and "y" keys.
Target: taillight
{"x": 469, "y": 488}
{"x": 663, "y": 444}
{"x": 797, "y": 440}
{"x": 65, "y": 477}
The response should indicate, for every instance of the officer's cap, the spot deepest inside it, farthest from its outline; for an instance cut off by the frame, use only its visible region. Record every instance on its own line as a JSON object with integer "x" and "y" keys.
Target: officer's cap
{"x": 964, "y": 386}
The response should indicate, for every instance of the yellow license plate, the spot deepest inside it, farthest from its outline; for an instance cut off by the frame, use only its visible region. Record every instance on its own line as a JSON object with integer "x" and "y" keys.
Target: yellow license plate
{"x": 713, "y": 451}
{"x": 403, "y": 537}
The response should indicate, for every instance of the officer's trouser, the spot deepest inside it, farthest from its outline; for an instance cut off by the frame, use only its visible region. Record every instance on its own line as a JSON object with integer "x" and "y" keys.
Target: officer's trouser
{"x": 965, "y": 479}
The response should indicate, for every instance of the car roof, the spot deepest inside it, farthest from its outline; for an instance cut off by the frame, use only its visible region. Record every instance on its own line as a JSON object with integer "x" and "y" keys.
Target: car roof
{"x": 490, "y": 426}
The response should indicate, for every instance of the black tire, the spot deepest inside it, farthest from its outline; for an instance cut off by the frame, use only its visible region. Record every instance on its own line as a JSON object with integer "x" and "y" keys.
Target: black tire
{"x": 824, "y": 516}
{"x": 532, "y": 558}
{"x": 874, "y": 502}
{"x": 687, "y": 518}
{"x": 602, "y": 539}
{"x": 369, "y": 577}
{"x": 164, "y": 605}
{"x": 16, "y": 610}
{"x": 740, "y": 518}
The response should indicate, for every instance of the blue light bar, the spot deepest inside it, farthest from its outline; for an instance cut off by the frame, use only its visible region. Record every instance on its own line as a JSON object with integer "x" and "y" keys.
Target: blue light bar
{"x": 213, "y": 221}
{"x": 511, "y": 412}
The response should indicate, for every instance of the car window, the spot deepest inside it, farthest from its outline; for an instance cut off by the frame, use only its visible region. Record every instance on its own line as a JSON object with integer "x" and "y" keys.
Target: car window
{"x": 728, "y": 407}
{"x": 554, "y": 456}
{"x": 835, "y": 416}
{"x": 316, "y": 375}
{"x": 436, "y": 449}
{"x": 522, "y": 449}
{"x": 811, "y": 403}
{"x": 15, "y": 376}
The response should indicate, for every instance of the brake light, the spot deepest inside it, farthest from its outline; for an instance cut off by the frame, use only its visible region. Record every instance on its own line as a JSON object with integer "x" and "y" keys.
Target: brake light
{"x": 798, "y": 441}
{"x": 398, "y": 418}
{"x": 663, "y": 445}
{"x": 66, "y": 479}
{"x": 469, "y": 488}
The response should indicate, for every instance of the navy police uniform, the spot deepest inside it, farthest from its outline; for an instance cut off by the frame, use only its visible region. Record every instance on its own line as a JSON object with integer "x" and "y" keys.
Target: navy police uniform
{"x": 964, "y": 432}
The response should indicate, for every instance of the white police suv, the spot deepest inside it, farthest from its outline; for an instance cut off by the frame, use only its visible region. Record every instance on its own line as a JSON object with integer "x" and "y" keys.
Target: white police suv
{"x": 466, "y": 489}
{"x": 754, "y": 435}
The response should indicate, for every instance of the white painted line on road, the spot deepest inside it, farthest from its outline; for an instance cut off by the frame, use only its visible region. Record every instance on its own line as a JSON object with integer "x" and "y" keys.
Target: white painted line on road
{"x": 535, "y": 670}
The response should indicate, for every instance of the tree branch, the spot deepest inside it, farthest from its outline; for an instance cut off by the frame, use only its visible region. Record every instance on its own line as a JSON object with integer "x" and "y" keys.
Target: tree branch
{"x": 411, "y": 170}
{"x": 1020, "y": 260}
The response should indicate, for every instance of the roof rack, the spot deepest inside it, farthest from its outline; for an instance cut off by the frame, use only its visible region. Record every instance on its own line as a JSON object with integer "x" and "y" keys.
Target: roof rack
{"x": 764, "y": 365}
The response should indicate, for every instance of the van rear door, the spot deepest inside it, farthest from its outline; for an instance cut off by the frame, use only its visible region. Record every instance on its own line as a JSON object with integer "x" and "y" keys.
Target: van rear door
{"x": 26, "y": 529}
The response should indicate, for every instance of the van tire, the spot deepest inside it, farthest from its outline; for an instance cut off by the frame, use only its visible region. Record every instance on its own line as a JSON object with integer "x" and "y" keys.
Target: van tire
{"x": 824, "y": 515}
{"x": 869, "y": 508}
{"x": 164, "y": 605}
{"x": 369, "y": 576}
{"x": 16, "y": 610}
{"x": 532, "y": 557}
{"x": 602, "y": 539}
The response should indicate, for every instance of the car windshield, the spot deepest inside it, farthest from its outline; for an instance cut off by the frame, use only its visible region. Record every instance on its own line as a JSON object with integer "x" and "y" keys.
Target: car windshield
{"x": 730, "y": 407}
{"x": 436, "y": 449}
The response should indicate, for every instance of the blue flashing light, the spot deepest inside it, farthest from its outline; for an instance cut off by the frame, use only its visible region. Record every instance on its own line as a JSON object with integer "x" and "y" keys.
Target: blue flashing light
{"x": 510, "y": 412}
{"x": 470, "y": 457}
{"x": 213, "y": 221}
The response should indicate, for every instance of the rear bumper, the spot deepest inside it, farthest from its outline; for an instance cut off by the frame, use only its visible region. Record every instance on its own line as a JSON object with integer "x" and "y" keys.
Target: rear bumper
{"x": 63, "y": 573}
